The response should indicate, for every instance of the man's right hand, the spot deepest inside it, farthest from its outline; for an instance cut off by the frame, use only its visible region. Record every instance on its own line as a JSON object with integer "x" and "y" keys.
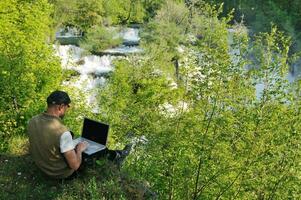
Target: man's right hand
{"x": 82, "y": 146}
{"x": 74, "y": 157}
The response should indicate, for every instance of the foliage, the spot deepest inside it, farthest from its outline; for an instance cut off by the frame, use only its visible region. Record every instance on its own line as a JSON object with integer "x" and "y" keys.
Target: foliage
{"x": 29, "y": 70}
{"x": 259, "y": 14}
{"x": 63, "y": 12}
{"x": 100, "y": 38}
{"x": 82, "y": 14}
{"x": 168, "y": 27}
{"x": 151, "y": 7}
{"x": 124, "y": 11}
{"x": 189, "y": 102}
{"x": 210, "y": 136}
{"x": 88, "y": 14}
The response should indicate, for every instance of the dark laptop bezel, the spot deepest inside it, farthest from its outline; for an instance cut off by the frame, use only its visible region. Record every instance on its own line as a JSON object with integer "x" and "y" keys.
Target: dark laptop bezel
{"x": 84, "y": 133}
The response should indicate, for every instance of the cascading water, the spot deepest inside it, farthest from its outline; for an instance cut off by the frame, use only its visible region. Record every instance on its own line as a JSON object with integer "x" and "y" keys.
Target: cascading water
{"x": 92, "y": 69}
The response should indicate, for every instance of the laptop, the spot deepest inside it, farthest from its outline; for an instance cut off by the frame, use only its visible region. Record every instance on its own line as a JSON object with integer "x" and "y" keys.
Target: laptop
{"x": 96, "y": 134}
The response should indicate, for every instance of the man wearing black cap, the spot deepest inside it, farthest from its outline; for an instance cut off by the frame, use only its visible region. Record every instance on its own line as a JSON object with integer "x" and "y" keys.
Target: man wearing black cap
{"x": 51, "y": 144}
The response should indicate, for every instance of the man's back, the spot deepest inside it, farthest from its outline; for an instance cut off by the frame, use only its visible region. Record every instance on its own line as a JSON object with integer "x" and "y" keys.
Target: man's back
{"x": 44, "y": 136}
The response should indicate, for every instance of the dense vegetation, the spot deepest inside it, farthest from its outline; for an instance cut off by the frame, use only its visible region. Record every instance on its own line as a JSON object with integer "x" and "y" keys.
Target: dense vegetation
{"x": 209, "y": 137}
{"x": 260, "y": 14}
{"x": 29, "y": 69}
{"x": 190, "y": 95}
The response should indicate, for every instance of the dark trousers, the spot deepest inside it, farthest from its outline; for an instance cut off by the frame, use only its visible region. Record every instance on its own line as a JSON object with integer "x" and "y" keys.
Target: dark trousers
{"x": 90, "y": 160}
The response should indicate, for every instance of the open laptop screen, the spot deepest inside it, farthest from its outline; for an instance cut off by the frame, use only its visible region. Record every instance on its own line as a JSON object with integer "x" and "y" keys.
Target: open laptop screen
{"x": 95, "y": 131}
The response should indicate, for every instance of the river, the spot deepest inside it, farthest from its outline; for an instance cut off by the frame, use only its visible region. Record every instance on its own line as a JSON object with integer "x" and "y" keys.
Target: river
{"x": 93, "y": 69}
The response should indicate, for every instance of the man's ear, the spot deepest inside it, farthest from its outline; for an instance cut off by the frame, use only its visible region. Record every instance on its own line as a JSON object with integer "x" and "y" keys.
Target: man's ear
{"x": 60, "y": 107}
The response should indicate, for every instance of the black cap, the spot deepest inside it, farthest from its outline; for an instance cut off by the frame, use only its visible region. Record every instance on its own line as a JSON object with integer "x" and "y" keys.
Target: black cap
{"x": 58, "y": 97}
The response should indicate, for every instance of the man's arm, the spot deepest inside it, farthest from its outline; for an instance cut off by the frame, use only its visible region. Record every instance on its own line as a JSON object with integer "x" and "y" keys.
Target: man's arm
{"x": 74, "y": 156}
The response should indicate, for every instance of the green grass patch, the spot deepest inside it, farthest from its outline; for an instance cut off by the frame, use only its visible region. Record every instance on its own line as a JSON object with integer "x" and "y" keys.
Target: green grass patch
{"x": 21, "y": 179}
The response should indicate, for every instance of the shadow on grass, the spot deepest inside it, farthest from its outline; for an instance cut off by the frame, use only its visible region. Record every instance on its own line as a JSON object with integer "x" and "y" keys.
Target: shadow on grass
{"x": 21, "y": 179}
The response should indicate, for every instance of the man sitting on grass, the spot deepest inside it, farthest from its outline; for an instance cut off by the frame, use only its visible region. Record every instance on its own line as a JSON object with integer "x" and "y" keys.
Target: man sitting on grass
{"x": 51, "y": 144}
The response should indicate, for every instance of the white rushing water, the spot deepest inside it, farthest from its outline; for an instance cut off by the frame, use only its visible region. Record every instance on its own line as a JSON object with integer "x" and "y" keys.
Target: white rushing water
{"x": 68, "y": 32}
{"x": 124, "y": 50}
{"x": 92, "y": 68}
{"x": 72, "y": 57}
{"x": 130, "y": 34}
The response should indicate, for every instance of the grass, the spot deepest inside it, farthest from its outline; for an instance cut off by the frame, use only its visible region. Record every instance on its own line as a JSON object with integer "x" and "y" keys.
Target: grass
{"x": 21, "y": 179}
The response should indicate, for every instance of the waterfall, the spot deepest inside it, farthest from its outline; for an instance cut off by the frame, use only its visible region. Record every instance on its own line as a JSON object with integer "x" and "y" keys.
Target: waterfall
{"x": 92, "y": 69}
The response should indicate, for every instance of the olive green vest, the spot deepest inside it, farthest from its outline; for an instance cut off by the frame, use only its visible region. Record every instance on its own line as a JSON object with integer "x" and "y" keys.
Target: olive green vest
{"x": 44, "y": 137}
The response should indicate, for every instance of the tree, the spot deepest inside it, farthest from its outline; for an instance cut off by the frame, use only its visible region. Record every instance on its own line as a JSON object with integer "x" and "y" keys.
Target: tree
{"x": 99, "y": 38}
{"x": 29, "y": 69}
{"x": 209, "y": 137}
{"x": 88, "y": 14}
{"x": 123, "y": 12}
